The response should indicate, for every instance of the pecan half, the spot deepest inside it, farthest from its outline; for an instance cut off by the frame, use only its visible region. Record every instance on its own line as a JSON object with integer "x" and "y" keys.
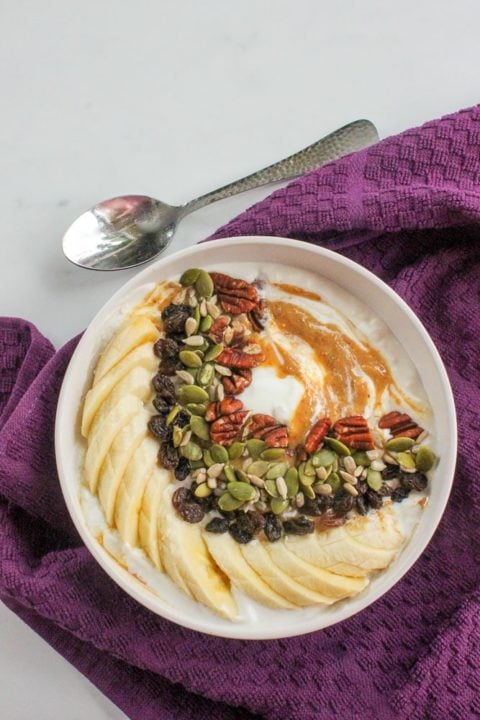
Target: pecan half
{"x": 218, "y": 328}
{"x": 233, "y": 357}
{"x": 316, "y": 434}
{"x": 227, "y": 428}
{"x": 258, "y": 316}
{"x": 265, "y": 427}
{"x": 236, "y": 296}
{"x": 400, "y": 425}
{"x": 225, "y": 407}
{"x": 237, "y": 382}
{"x": 354, "y": 432}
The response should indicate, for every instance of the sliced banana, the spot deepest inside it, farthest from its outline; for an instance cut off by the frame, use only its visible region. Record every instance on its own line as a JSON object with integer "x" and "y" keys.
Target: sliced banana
{"x": 226, "y": 553}
{"x": 137, "y": 331}
{"x": 377, "y": 529}
{"x": 315, "y": 578}
{"x": 182, "y": 545}
{"x": 148, "y": 514}
{"x": 258, "y": 558}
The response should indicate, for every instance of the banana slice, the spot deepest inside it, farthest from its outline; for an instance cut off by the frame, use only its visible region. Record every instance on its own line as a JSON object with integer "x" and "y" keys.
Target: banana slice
{"x": 378, "y": 530}
{"x": 148, "y": 514}
{"x": 182, "y": 545}
{"x": 137, "y": 331}
{"x": 258, "y": 558}
{"x": 143, "y": 356}
{"x": 315, "y": 578}
{"x": 131, "y": 489}
{"x": 336, "y": 550}
{"x": 117, "y": 459}
{"x": 226, "y": 553}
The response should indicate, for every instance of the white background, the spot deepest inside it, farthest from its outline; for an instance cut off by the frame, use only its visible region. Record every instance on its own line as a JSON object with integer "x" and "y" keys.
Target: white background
{"x": 173, "y": 98}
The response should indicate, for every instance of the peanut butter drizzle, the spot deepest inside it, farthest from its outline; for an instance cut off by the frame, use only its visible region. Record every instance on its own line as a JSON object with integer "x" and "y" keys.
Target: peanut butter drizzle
{"x": 343, "y": 361}
{"x": 299, "y": 292}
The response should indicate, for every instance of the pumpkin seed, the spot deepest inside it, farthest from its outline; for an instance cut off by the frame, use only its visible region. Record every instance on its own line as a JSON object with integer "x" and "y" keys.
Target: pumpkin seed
{"x": 206, "y": 323}
{"x": 207, "y": 457}
{"x": 195, "y": 464}
{"x": 271, "y": 488}
{"x": 196, "y": 408}
{"x": 399, "y": 444}
{"x": 192, "y": 394}
{"x": 334, "y": 482}
{"x": 241, "y": 475}
{"x": 374, "y": 479}
{"x": 199, "y": 427}
{"x": 361, "y": 458}
{"x": 202, "y": 491}
{"x": 177, "y": 436}
{"x": 213, "y": 352}
{"x": 258, "y": 467}
{"x": 291, "y": 481}
{"x": 187, "y": 435}
{"x": 205, "y": 375}
{"x": 173, "y": 414}
{"x": 322, "y": 488}
{"x": 272, "y": 454}
{"x": 323, "y": 458}
{"x": 204, "y": 284}
{"x": 228, "y": 503}
{"x": 424, "y": 459}
{"x": 229, "y": 473}
{"x": 241, "y": 490}
{"x": 219, "y": 453}
{"x": 309, "y": 469}
{"x": 189, "y": 277}
{"x": 276, "y": 470}
{"x": 256, "y": 447}
{"x": 190, "y": 358}
{"x": 406, "y": 459}
{"x": 235, "y": 450}
{"x": 278, "y": 505}
{"x": 261, "y": 506}
{"x": 309, "y": 491}
{"x": 192, "y": 451}
{"x": 338, "y": 446}
{"x": 306, "y": 480}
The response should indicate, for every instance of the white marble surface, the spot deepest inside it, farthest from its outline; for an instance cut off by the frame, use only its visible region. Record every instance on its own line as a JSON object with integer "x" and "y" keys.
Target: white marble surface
{"x": 173, "y": 99}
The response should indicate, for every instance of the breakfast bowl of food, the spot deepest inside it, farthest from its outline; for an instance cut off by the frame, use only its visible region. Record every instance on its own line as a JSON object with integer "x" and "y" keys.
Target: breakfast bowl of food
{"x": 256, "y": 438}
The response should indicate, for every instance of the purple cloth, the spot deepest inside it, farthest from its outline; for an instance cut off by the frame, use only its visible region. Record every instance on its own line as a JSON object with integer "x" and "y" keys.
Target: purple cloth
{"x": 408, "y": 209}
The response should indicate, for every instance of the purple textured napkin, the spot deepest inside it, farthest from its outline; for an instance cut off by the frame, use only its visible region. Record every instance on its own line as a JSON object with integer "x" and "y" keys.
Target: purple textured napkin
{"x": 408, "y": 209}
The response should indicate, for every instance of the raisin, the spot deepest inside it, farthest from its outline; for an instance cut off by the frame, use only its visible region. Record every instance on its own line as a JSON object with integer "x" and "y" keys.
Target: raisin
{"x": 400, "y": 494}
{"x": 169, "y": 367}
{"x": 164, "y": 387}
{"x": 330, "y": 520}
{"x": 420, "y": 481}
{"x": 361, "y": 487}
{"x": 182, "y": 419}
{"x": 168, "y": 456}
{"x": 217, "y": 525}
{"x": 184, "y": 505}
{"x": 174, "y": 317}
{"x": 390, "y": 472}
{"x": 239, "y": 535}
{"x": 166, "y": 349}
{"x": 158, "y": 426}
{"x": 385, "y": 490}
{"x": 250, "y": 522}
{"x": 298, "y": 526}
{"x": 343, "y": 504}
{"x": 318, "y": 506}
{"x": 161, "y": 405}
{"x": 258, "y": 521}
{"x": 374, "y": 499}
{"x": 273, "y": 527}
{"x": 183, "y": 469}
{"x": 360, "y": 505}
{"x": 413, "y": 481}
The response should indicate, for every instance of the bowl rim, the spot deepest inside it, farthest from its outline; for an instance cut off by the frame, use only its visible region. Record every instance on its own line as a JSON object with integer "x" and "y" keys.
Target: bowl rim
{"x": 132, "y": 585}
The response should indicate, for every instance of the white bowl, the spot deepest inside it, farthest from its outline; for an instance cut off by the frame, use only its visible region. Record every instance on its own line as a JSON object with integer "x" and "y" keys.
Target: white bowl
{"x": 373, "y": 292}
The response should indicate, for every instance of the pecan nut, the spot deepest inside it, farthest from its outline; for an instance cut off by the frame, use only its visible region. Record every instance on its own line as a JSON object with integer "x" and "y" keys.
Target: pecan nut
{"x": 258, "y": 316}
{"x": 237, "y": 382}
{"x": 316, "y": 434}
{"x": 236, "y": 296}
{"x": 233, "y": 357}
{"x": 266, "y": 428}
{"x": 218, "y": 328}
{"x": 354, "y": 432}
{"x": 227, "y": 428}
{"x": 227, "y": 406}
{"x": 400, "y": 425}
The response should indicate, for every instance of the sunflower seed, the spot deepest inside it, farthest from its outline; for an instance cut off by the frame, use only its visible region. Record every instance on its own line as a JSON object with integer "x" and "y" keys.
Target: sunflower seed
{"x": 185, "y": 377}
{"x": 186, "y": 438}
{"x": 192, "y": 300}
{"x": 201, "y": 477}
{"x": 358, "y": 470}
{"x": 322, "y": 473}
{"x": 222, "y": 370}
{"x": 213, "y": 309}
{"x": 348, "y": 477}
{"x": 246, "y": 463}
{"x": 299, "y": 500}
{"x": 212, "y": 482}
{"x": 389, "y": 459}
{"x": 220, "y": 393}
{"x": 194, "y": 340}
{"x": 215, "y": 470}
{"x": 378, "y": 465}
{"x": 281, "y": 487}
{"x": 350, "y": 489}
{"x": 323, "y": 489}
{"x": 258, "y": 482}
{"x": 252, "y": 349}
{"x": 228, "y": 336}
{"x": 423, "y": 436}
{"x": 212, "y": 392}
{"x": 349, "y": 464}
{"x": 190, "y": 326}
{"x": 374, "y": 454}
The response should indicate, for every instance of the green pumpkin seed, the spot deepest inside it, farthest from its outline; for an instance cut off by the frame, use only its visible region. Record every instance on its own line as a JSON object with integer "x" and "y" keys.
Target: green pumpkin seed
{"x": 214, "y": 352}
{"x": 256, "y": 447}
{"x": 172, "y": 414}
{"x": 191, "y": 451}
{"x": 229, "y": 473}
{"x": 204, "y": 284}
{"x": 177, "y": 436}
{"x": 305, "y": 480}
{"x": 219, "y": 453}
{"x": 278, "y": 505}
{"x": 196, "y": 408}
{"x": 308, "y": 491}
{"x": 406, "y": 459}
{"x": 271, "y": 488}
{"x": 205, "y": 375}
{"x": 199, "y": 427}
{"x": 206, "y": 323}
{"x": 323, "y": 458}
{"x": 202, "y": 491}
{"x": 190, "y": 359}
{"x": 207, "y": 458}
{"x": 258, "y": 468}
{"x": 235, "y": 450}
{"x": 272, "y": 453}
{"x": 374, "y": 479}
{"x": 241, "y": 490}
{"x": 424, "y": 459}
{"x": 399, "y": 444}
{"x": 195, "y": 464}
{"x": 189, "y": 277}
{"x": 241, "y": 475}
{"x": 228, "y": 503}
{"x": 196, "y": 316}
{"x": 338, "y": 446}
{"x": 276, "y": 470}
{"x": 334, "y": 482}
{"x": 309, "y": 469}
{"x": 291, "y": 481}
{"x": 361, "y": 458}
{"x": 192, "y": 394}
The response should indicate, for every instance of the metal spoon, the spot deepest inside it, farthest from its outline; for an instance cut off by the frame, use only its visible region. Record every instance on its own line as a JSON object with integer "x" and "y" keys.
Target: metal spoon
{"x": 130, "y": 230}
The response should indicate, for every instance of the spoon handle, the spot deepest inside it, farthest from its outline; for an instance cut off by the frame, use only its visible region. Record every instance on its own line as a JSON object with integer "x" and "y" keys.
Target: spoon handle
{"x": 354, "y": 136}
